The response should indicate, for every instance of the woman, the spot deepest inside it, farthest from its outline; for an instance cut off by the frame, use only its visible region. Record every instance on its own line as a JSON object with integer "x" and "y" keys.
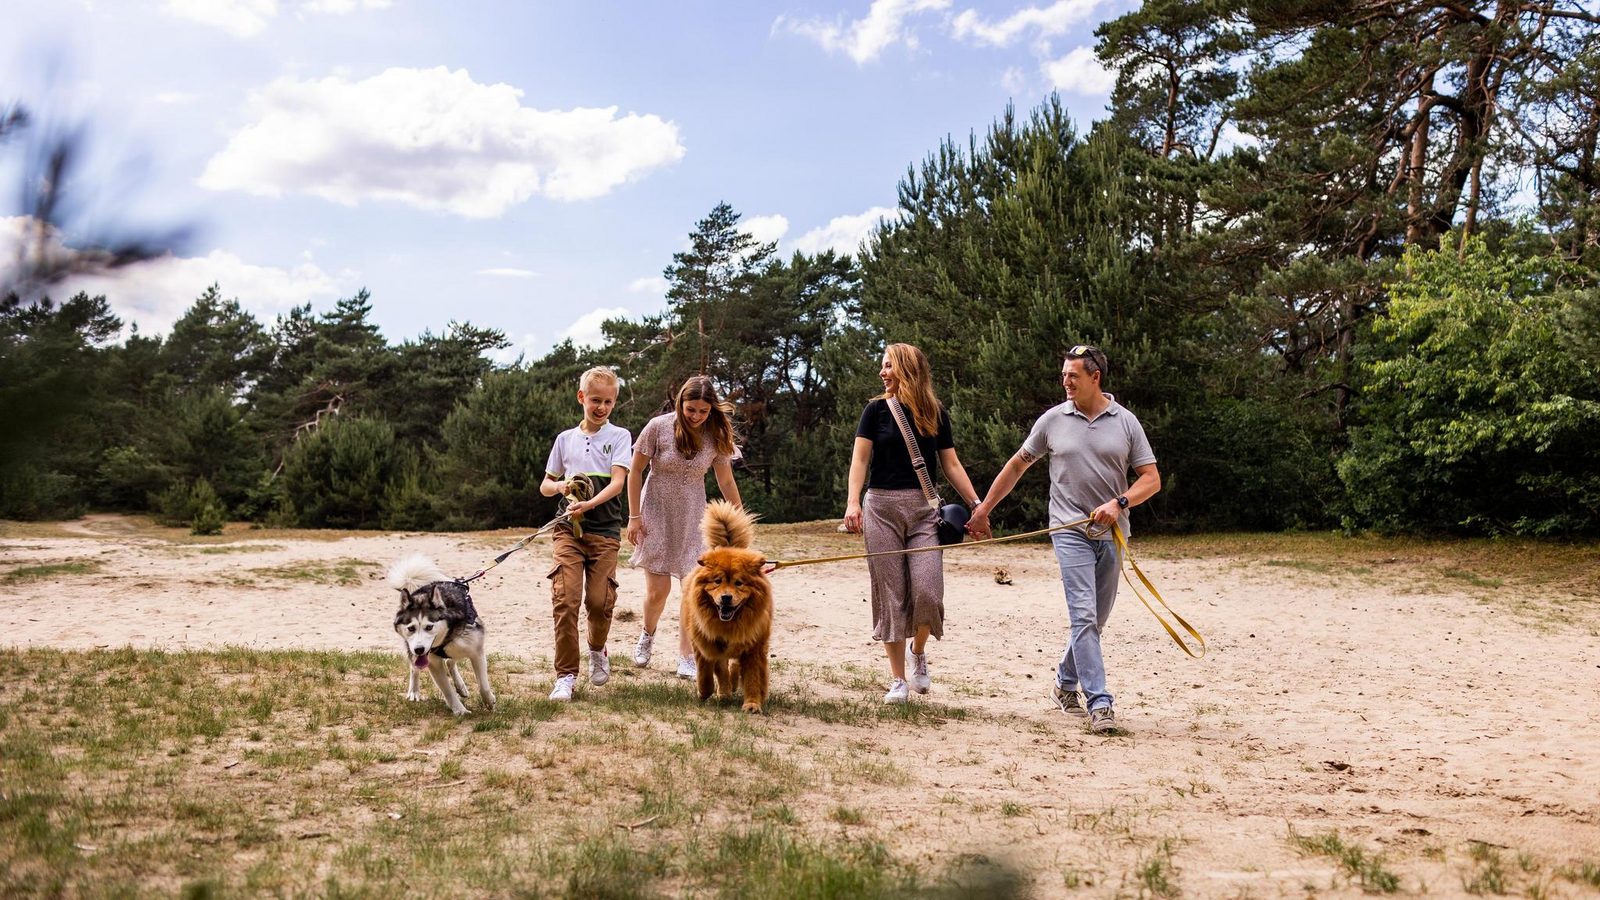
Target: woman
{"x": 664, "y": 513}
{"x": 908, "y": 589}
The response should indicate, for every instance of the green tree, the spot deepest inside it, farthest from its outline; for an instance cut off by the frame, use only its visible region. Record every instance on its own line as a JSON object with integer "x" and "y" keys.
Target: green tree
{"x": 1481, "y": 399}
{"x": 339, "y": 475}
{"x": 215, "y": 344}
{"x": 51, "y": 391}
{"x": 498, "y": 439}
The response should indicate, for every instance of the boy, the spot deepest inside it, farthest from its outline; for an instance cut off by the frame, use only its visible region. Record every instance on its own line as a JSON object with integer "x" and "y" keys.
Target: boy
{"x": 585, "y": 567}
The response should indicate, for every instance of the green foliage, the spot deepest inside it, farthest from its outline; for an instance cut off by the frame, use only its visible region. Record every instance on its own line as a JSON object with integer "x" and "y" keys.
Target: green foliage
{"x": 338, "y": 475}
{"x": 1482, "y": 400}
{"x": 208, "y": 513}
{"x": 498, "y": 440}
{"x": 50, "y": 394}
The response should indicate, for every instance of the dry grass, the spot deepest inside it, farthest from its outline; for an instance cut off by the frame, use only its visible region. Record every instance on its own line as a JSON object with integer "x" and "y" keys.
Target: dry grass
{"x": 130, "y": 772}
{"x": 1569, "y": 568}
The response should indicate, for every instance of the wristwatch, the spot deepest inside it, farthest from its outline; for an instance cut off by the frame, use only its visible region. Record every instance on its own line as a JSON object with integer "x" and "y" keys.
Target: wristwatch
{"x": 1123, "y": 501}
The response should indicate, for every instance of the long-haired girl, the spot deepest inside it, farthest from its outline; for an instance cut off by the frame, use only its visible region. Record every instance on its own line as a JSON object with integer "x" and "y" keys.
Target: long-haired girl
{"x": 664, "y": 511}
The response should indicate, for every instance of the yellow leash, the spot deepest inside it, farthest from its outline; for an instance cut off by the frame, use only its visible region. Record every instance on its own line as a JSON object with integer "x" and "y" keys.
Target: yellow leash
{"x": 1125, "y": 561}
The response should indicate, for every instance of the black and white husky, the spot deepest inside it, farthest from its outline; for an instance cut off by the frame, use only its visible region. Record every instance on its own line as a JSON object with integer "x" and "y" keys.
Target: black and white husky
{"x": 438, "y": 625}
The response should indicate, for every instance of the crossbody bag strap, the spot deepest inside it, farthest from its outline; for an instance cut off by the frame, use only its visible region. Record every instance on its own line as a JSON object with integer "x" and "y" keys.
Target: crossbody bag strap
{"x": 917, "y": 461}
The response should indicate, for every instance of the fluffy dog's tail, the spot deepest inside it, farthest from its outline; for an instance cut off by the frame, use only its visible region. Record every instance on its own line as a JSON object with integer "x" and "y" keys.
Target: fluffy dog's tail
{"x": 726, "y": 525}
{"x": 414, "y": 571}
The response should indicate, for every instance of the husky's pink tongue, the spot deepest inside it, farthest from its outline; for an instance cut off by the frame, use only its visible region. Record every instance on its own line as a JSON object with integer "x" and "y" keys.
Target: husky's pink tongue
{"x": 419, "y": 662}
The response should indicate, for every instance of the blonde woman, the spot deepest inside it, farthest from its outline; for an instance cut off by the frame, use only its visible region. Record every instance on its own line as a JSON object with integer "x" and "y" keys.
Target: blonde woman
{"x": 664, "y": 510}
{"x": 907, "y": 590}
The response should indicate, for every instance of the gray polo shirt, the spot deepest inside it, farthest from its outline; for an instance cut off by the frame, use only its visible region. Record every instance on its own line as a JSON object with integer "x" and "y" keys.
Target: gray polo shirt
{"x": 1089, "y": 460}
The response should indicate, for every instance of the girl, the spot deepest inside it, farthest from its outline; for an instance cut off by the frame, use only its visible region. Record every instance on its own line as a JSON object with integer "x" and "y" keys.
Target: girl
{"x": 664, "y": 523}
{"x": 908, "y": 590}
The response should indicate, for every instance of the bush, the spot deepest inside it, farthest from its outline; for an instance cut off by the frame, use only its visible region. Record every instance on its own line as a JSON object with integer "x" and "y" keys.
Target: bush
{"x": 1481, "y": 401}
{"x": 29, "y": 492}
{"x": 208, "y": 513}
{"x": 339, "y": 475}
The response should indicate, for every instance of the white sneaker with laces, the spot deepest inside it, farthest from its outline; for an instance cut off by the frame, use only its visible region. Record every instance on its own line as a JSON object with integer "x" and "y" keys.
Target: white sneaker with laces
{"x": 599, "y": 667}
{"x": 564, "y": 687}
{"x": 920, "y": 682}
{"x": 899, "y": 692}
{"x": 687, "y": 668}
{"x": 641, "y": 654}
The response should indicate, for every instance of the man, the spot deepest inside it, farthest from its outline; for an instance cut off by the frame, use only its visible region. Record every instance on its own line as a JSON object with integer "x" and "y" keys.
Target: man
{"x": 1092, "y": 442}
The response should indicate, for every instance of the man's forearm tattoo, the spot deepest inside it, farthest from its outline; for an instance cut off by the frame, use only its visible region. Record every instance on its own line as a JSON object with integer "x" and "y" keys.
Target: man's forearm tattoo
{"x": 1026, "y": 458}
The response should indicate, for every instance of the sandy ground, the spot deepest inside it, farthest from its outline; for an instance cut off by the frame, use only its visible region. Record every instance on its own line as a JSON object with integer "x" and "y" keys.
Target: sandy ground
{"x": 1411, "y": 719}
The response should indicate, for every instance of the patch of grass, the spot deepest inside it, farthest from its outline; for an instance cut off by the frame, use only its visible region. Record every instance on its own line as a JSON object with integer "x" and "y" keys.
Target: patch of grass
{"x": 1156, "y": 873}
{"x": 1304, "y": 565}
{"x": 1586, "y": 873}
{"x": 847, "y": 815}
{"x": 1356, "y": 862}
{"x": 1569, "y": 568}
{"x": 239, "y": 548}
{"x": 297, "y": 773}
{"x": 49, "y": 570}
{"x": 347, "y": 572}
{"x": 1488, "y": 875}
{"x": 1011, "y": 809}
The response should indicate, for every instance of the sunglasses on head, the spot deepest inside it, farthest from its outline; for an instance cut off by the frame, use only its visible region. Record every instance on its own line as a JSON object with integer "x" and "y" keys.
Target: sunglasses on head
{"x": 1094, "y": 355}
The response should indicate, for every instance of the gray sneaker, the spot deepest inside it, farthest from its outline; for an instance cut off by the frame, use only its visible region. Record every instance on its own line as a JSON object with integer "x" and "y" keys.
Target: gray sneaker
{"x": 920, "y": 681}
{"x": 1068, "y": 701}
{"x": 1103, "y": 721}
{"x": 599, "y": 667}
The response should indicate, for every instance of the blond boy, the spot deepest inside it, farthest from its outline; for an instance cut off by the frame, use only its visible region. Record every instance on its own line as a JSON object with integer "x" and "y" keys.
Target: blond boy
{"x": 585, "y": 566}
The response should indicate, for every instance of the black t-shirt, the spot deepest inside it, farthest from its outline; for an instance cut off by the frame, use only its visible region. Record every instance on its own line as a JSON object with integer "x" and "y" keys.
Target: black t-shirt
{"x": 891, "y": 467}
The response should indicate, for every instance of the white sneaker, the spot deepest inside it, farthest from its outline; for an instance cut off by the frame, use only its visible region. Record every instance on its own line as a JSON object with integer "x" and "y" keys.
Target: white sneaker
{"x": 563, "y": 688}
{"x": 898, "y": 692}
{"x": 920, "y": 682}
{"x": 686, "y": 667}
{"x": 641, "y": 655}
{"x": 599, "y": 667}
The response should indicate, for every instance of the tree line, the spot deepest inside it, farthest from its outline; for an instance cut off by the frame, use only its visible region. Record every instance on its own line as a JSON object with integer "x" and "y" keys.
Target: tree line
{"x": 1343, "y": 258}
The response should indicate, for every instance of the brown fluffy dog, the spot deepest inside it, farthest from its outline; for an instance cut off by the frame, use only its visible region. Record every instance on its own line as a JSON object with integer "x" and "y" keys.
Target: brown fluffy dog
{"x": 727, "y": 607}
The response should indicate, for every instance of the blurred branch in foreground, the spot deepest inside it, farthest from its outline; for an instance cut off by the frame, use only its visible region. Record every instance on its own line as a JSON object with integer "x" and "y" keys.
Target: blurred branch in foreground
{"x": 52, "y": 202}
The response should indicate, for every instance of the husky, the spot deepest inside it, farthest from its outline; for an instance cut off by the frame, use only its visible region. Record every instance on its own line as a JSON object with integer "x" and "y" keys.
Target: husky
{"x": 438, "y": 625}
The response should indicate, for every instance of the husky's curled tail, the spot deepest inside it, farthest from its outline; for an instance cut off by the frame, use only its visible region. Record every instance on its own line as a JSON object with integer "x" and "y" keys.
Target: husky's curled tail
{"x": 726, "y": 525}
{"x": 414, "y": 571}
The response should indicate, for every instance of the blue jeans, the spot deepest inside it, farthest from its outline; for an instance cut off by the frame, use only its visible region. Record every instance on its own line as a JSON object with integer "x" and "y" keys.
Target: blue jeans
{"x": 1089, "y": 574}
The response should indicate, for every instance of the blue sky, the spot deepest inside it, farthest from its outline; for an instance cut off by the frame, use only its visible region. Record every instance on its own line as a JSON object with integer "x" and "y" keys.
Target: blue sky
{"x": 530, "y": 167}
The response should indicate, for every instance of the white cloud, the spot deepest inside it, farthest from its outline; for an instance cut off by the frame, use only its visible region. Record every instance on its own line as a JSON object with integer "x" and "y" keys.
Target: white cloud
{"x": 586, "y": 331}
{"x": 155, "y": 293}
{"x": 864, "y": 40}
{"x": 248, "y": 18}
{"x": 1080, "y": 72}
{"x": 654, "y": 285}
{"x": 175, "y": 98}
{"x": 765, "y": 229}
{"x": 531, "y": 345}
{"x": 1048, "y": 21}
{"x": 1014, "y": 80}
{"x": 844, "y": 234}
{"x": 508, "y": 273}
{"x": 434, "y": 139}
{"x": 240, "y": 18}
{"x": 340, "y": 7}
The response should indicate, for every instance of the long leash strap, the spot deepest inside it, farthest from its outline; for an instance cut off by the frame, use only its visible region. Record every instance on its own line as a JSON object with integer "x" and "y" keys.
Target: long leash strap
{"x": 1125, "y": 562}
{"x": 583, "y": 489}
{"x": 915, "y": 450}
{"x": 775, "y": 565}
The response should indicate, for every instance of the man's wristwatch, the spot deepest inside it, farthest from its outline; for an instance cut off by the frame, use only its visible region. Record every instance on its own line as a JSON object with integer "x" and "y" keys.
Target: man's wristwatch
{"x": 1123, "y": 501}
